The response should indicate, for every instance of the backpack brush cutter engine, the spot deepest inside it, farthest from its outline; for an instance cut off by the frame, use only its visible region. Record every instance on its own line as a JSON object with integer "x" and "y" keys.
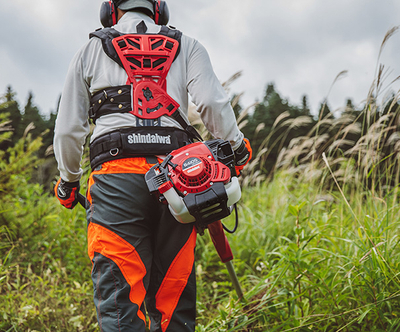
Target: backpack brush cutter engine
{"x": 196, "y": 182}
{"x": 199, "y": 184}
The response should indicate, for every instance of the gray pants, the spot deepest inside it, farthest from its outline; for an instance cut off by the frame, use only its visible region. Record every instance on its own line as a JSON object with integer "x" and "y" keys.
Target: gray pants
{"x": 143, "y": 259}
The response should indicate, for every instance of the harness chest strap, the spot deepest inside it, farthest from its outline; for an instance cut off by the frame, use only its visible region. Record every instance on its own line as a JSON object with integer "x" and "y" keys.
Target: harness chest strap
{"x": 118, "y": 100}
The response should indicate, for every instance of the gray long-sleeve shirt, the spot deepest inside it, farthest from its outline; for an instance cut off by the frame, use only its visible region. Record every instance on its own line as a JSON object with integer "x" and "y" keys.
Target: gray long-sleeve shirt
{"x": 92, "y": 70}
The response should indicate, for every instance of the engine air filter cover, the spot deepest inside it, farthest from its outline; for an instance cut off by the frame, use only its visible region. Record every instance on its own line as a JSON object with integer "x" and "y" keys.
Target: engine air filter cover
{"x": 194, "y": 167}
{"x": 195, "y": 172}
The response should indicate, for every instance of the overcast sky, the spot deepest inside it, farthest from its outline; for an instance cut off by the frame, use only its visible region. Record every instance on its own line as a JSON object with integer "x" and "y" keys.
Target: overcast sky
{"x": 299, "y": 45}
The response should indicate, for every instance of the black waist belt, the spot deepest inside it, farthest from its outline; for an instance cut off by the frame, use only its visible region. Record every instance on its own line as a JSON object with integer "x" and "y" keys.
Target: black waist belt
{"x": 136, "y": 141}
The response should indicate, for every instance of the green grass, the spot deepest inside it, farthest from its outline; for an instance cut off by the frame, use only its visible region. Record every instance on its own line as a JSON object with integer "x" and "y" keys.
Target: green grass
{"x": 317, "y": 247}
{"x": 307, "y": 262}
{"x": 308, "y": 259}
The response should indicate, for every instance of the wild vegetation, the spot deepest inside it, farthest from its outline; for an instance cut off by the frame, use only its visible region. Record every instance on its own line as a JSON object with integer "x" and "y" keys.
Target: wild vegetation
{"x": 317, "y": 245}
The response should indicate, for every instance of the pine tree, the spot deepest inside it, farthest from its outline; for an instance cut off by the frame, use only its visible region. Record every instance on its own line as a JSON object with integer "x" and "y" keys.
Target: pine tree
{"x": 41, "y": 126}
{"x": 264, "y": 132}
{"x": 10, "y": 109}
{"x": 324, "y": 111}
{"x": 32, "y": 115}
{"x": 305, "y": 110}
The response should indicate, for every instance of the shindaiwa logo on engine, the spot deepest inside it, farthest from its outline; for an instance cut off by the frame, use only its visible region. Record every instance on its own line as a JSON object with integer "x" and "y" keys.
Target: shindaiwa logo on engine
{"x": 149, "y": 138}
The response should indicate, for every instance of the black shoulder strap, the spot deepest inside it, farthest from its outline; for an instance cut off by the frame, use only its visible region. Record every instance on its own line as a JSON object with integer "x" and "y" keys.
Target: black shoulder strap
{"x": 106, "y": 36}
{"x": 174, "y": 34}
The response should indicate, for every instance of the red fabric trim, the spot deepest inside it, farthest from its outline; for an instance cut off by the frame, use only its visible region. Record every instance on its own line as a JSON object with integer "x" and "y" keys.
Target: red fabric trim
{"x": 110, "y": 245}
{"x": 175, "y": 281}
{"x": 137, "y": 165}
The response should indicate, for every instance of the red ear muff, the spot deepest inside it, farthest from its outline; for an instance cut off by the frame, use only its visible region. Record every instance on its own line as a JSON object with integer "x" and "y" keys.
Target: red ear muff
{"x": 161, "y": 12}
{"x": 114, "y": 13}
{"x": 108, "y": 14}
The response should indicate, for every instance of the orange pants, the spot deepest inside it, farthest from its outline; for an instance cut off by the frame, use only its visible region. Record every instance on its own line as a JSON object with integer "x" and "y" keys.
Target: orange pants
{"x": 140, "y": 253}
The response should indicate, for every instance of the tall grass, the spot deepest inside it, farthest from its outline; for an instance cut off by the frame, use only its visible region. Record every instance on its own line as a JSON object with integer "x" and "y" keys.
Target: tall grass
{"x": 309, "y": 260}
{"x": 316, "y": 249}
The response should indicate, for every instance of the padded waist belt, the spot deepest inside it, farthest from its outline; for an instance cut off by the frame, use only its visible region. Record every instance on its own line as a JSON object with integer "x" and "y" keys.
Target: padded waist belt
{"x": 136, "y": 141}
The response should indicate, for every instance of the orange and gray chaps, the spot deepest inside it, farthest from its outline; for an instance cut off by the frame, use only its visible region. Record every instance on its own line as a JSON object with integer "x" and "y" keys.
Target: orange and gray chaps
{"x": 143, "y": 259}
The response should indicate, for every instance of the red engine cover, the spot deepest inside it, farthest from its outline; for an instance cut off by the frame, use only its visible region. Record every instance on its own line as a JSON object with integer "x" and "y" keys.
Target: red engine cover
{"x": 196, "y": 169}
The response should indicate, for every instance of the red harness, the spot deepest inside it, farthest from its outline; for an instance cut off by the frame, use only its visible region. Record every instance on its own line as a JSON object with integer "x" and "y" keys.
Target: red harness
{"x": 147, "y": 60}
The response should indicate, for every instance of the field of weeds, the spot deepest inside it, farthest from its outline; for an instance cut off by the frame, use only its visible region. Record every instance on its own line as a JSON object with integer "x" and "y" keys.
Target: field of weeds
{"x": 316, "y": 248}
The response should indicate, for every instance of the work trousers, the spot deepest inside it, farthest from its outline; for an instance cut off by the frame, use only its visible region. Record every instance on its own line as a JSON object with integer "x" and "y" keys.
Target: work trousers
{"x": 143, "y": 259}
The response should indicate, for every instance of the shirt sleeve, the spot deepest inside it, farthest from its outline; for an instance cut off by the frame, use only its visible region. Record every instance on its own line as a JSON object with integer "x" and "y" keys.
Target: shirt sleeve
{"x": 209, "y": 96}
{"x": 72, "y": 125}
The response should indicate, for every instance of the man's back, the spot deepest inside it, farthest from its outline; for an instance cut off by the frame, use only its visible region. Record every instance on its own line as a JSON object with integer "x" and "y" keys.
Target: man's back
{"x": 139, "y": 251}
{"x": 92, "y": 70}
